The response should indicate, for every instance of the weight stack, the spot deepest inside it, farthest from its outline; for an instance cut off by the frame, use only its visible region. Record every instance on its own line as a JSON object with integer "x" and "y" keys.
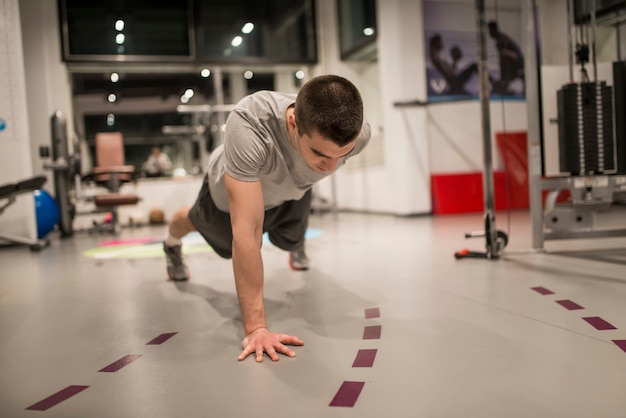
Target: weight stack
{"x": 619, "y": 86}
{"x": 586, "y": 141}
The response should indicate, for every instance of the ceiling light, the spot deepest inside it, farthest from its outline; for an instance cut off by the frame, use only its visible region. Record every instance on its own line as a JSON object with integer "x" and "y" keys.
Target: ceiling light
{"x": 119, "y": 25}
{"x": 112, "y": 98}
{"x": 237, "y": 40}
{"x": 368, "y": 31}
{"x": 205, "y": 72}
{"x": 115, "y": 77}
{"x": 247, "y": 28}
{"x": 120, "y": 38}
{"x": 248, "y": 75}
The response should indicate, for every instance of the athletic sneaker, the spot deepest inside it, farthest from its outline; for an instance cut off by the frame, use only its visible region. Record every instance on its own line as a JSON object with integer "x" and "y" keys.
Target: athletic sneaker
{"x": 298, "y": 260}
{"x": 176, "y": 268}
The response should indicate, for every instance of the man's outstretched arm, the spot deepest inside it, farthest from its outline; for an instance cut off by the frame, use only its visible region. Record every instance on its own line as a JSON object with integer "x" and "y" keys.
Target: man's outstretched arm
{"x": 247, "y": 212}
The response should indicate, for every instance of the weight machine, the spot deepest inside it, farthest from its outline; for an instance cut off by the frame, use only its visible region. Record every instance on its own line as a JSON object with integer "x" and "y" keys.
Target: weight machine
{"x": 592, "y": 145}
{"x": 66, "y": 171}
{"x": 591, "y": 184}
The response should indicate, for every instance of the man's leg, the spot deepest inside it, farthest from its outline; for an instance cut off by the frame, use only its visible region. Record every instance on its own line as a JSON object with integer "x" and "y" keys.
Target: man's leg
{"x": 180, "y": 225}
{"x": 286, "y": 226}
{"x": 208, "y": 220}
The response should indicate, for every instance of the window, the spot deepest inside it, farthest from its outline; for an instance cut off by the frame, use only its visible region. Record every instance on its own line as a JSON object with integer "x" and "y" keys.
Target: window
{"x": 357, "y": 29}
{"x": 582, "y": 9}
{"x": 144, "y": 131}
{"x": 186, "y": 136}
{"x": 193, "y": 31}
{"x": 130, "y": 30}
{"x": 256, "y": 30}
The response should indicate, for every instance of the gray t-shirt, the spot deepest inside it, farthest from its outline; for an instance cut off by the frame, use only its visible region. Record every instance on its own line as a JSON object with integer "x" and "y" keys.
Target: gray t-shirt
{"x": 257, "y": 148}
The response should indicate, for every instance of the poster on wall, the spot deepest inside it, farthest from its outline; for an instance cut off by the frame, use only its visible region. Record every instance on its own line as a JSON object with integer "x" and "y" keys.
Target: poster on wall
{"x": 452, "y": 54}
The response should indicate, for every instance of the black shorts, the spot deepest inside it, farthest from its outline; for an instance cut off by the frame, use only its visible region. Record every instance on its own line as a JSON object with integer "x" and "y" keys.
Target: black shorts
{"x": 285, "y": 224}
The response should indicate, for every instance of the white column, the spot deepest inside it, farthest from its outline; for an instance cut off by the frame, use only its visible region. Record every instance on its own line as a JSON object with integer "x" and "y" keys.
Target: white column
{"x": 403, "y": 78}
{"x": 15, "y": 161}
{"x": 48, "y": 86}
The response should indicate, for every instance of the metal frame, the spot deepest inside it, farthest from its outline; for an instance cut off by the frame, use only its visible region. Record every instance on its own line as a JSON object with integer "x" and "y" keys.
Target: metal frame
{"x": 495, "y": 241}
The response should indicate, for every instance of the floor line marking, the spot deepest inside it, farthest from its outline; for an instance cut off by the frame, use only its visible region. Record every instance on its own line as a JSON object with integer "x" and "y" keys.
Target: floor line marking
{"x": 595, "y": 321}
{"x": 347, "y": 394}
{"x": 621, "y": 344}
{"x": 569, "y": 305}
{"x": 123, "y": 362}
{"x": 542, "y": 290}
{"x": 57, "y": 398}
{"x": 365, "y": 358}
{"x": 372, "y": 332}
{"x": 372, "y": 313}
{"x": 599, "y": 323}
{"x": 72, "y": 390}
{"x": 161, "y": 338}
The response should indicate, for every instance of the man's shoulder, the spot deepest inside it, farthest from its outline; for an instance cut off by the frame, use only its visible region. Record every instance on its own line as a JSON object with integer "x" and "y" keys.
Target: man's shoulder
{"x": 268, "y": 96}
{"x": 264, "y": 105}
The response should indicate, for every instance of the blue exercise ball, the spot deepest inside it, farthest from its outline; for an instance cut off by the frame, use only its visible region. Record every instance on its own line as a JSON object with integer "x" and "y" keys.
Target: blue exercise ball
{"x": 46, "y": 211}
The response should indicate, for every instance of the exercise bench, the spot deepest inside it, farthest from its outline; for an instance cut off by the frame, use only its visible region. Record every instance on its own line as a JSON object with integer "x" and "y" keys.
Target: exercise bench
{"x": 8, "y": 195}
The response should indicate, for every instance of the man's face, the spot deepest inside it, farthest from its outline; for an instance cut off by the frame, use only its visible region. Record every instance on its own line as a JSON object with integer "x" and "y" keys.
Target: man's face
{"x": 319, "y": 153}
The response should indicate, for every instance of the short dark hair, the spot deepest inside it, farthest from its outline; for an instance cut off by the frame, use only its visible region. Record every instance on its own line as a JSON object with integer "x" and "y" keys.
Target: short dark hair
{"x": 332, "y": 106}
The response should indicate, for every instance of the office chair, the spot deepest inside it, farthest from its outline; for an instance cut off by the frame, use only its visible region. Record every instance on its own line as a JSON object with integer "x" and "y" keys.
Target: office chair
{"x": 111, "y": 171}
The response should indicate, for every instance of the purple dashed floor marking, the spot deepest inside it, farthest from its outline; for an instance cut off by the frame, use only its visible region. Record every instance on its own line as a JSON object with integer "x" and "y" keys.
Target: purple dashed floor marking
{"x": 599, "y": 323}
{"x": 161, "y": 338}
{"x": 365, "y": 358}
{"x": 372, "y": 313}
{"x": 57, "y": 398}
{"x": 569, "y": 305}
{"x": 542, "y": 290}
{"x": 347, "y": 394}
{"x": 123, "y": 362}
{"x": 372, "y": 332}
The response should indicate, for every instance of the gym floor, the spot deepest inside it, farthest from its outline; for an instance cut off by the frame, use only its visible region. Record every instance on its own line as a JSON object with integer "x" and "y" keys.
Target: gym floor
{"x": 393, "y": 326}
